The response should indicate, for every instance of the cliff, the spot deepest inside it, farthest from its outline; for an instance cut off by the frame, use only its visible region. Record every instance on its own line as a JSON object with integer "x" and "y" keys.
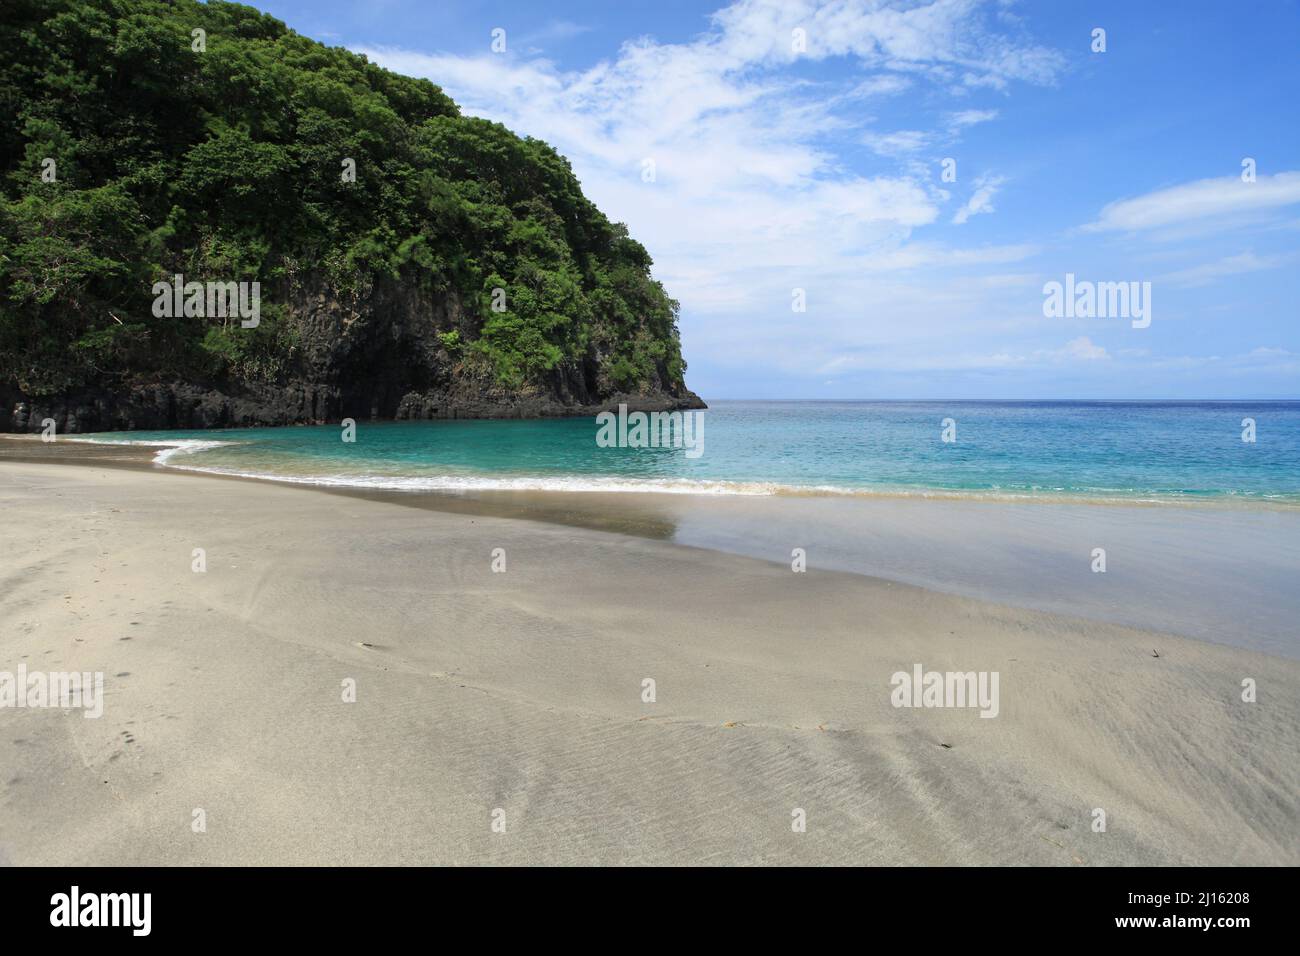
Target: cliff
{"x": 401, "y": 260}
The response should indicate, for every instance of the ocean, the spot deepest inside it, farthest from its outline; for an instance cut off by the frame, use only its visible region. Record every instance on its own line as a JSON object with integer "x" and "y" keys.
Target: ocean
{"x": 1004, "y": 450}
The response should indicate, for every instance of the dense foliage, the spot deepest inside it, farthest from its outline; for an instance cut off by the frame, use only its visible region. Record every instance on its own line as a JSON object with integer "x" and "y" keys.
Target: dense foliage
{"x": 225, "y": 163}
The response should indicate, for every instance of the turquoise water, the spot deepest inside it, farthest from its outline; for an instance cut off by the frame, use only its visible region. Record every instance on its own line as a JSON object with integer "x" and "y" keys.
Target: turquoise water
{"x": 1125, "y": 450}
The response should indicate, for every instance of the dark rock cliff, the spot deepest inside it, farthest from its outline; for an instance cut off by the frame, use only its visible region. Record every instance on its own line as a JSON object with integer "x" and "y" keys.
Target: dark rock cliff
{"x": 383, "y": 358}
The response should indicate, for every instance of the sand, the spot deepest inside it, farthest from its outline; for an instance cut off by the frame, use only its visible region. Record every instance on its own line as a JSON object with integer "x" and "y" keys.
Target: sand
{"x": 522, "y": 692}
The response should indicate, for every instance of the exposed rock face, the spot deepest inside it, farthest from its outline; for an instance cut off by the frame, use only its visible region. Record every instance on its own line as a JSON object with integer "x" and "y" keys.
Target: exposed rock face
{"x": 190, "y": 406}
{"x": 381, "y": 357}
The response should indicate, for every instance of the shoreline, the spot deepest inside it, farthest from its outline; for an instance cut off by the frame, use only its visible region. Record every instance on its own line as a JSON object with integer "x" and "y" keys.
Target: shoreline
{"x": 1172, "y": 569}
{"x": 161, "y": 452}
{"x": 522, "y": 691}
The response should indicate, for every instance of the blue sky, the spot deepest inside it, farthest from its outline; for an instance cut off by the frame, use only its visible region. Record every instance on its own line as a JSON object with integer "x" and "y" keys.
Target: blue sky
{"x": 820, "y": 169}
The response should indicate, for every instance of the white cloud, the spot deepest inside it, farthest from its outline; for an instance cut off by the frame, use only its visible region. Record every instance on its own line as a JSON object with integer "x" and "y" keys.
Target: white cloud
{"x": 1200, "y": 200}
{"x": 1081, "y": 349}
{"x": 554, "y": 30}
{"x": 1084, "y": 350}
{"x": 904, "y": 142}
{"x": 897, "y": 143}
{"x": 882, "y": 84}
{"x": 981, "y": 199}
{"x": 1228, "y": 266}
{"x": 949, "y": 37}
{"x": 914, "y": 255}
{"x": 971, "y": 118}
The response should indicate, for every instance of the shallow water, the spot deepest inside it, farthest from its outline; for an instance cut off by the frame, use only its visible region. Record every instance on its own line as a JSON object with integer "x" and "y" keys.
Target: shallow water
{"x": 1130, "y": 451}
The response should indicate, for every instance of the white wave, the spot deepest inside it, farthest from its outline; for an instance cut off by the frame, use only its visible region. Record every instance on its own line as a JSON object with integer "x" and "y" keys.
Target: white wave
{"x": 470, "y": 483}
{"x": 465, "y": 484}
{"x": 167, "y": 449}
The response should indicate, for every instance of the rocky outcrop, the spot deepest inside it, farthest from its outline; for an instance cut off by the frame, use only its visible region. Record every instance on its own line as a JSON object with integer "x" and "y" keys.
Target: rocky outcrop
{"x": 380, "y": 355}
{"x": 165, "y": 406}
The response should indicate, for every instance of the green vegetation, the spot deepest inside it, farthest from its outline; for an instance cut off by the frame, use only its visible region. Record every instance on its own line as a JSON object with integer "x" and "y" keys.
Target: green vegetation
{"x": 226, "y": 163}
